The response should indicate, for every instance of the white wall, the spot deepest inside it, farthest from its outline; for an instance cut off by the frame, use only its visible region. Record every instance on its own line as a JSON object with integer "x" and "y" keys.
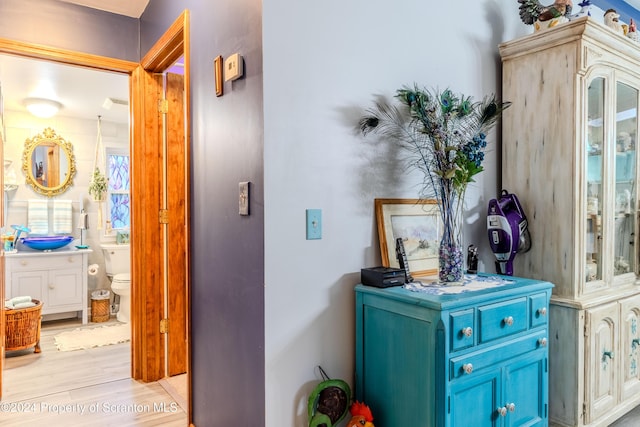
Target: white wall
{"x": 82, "y": 134}
{"x": 323, "y": 64}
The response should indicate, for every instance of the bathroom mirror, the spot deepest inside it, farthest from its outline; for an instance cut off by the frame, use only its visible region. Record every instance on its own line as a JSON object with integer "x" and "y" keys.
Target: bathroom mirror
{"x": 48, "y": 163}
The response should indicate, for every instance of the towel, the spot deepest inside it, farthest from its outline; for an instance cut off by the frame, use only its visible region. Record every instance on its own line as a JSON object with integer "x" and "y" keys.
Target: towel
{"x": 38, "y": 216}
{"x": 19, "y": 302}
{"x": 62, "y": 217}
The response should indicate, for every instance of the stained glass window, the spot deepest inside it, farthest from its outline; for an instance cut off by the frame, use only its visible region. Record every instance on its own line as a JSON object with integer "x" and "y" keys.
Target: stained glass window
{"x": 119, "y": 201}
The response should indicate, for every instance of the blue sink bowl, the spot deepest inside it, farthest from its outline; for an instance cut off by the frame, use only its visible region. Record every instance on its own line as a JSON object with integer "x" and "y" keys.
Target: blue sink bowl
{"x": 46, "y": 243}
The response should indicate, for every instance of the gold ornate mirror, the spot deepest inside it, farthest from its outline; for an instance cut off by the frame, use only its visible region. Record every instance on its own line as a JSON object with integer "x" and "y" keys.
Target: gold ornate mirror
{"x": 48, "y": 163}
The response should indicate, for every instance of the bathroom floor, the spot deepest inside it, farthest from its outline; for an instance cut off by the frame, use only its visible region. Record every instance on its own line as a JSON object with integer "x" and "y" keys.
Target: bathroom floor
{"x": 90, "y": 387}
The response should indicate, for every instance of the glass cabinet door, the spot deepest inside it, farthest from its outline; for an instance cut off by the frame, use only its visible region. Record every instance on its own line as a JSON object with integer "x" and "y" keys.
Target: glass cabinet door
{"x": 625, "y": 179}
{"x": 594, "y": 187}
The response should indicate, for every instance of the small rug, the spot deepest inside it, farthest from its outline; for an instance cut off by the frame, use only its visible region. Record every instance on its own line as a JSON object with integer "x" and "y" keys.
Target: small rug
{"x": 79, "y": 339}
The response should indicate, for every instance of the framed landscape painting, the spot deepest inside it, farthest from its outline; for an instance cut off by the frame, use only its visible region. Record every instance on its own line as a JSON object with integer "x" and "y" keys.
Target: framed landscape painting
{"x": 419, "y": 225}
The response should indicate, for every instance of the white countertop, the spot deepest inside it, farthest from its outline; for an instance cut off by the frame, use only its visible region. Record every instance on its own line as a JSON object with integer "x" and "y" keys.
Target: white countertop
{"x": 67, "y": 250}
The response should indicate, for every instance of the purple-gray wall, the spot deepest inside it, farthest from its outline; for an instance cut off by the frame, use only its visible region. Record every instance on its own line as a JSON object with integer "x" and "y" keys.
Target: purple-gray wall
{"x": 71, "y": 27}
{"x": 227, "y": 314}
{"x": 227, "y": 251}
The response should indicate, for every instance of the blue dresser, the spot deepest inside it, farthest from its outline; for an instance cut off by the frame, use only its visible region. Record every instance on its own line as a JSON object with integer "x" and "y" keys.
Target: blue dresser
{"x": 464, "y": 356}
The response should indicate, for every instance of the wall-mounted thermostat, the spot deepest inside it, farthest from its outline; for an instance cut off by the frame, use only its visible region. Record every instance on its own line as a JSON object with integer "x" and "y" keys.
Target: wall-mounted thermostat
{"x": 233, "y": 67}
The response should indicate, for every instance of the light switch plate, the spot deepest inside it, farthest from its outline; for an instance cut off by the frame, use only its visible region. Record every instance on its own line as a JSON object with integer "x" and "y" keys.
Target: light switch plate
{"x": 243, "y": 201}
{"x": 314, "y": 224}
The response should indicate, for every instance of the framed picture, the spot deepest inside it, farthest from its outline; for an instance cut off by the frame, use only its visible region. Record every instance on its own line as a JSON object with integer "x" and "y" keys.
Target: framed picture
{"x": 217, "y": 69}
{"x": 419, "y": 224}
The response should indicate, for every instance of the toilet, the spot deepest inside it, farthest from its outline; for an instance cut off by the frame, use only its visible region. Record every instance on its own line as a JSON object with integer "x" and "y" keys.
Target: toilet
{"x": 117, "y": 260}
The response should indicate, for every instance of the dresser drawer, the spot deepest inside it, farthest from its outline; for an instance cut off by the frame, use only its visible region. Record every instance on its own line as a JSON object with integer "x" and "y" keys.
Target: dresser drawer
{"x": 44, "y": 263}
{"x": 462, "y": 329}
{"x": 467, "y": 365}
{"x": 539, "y": 310}
{"x": 502, "y": 319}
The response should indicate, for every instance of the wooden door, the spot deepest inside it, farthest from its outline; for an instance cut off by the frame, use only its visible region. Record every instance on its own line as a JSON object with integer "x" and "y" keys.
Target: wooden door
{"x": 160, "y": 214}
{"x": 176, "y": 254}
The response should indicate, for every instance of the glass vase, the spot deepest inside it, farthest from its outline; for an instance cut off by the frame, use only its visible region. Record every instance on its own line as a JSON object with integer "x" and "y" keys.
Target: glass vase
{"x": 450, "y": 253}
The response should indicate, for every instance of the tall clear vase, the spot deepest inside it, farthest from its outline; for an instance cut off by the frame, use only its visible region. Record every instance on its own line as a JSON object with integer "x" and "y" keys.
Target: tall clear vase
{"x": 450, "y": 254}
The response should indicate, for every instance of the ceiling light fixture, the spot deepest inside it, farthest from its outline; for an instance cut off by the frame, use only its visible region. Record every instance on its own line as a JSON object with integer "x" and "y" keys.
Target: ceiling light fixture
{"x": 41, "y": 107}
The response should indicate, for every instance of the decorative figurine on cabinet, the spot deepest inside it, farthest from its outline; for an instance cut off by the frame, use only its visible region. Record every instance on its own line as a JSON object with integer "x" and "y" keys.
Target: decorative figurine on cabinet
{"x": 611, "y": 20}
{"x": 585, "y": 10}
{"x": 532, "y": 12}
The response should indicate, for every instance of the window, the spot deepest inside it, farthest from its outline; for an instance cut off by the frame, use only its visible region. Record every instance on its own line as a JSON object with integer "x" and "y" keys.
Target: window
{"x": 119, "y": 203}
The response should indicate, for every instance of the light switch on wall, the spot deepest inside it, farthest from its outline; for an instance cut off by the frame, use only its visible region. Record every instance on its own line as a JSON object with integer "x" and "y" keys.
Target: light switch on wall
{"x": 314, "y": 224}
{"x": 243, "y": 202}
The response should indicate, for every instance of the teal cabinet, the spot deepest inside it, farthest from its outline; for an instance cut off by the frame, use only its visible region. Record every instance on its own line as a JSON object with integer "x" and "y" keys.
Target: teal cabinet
{"x": 455, "y": 360}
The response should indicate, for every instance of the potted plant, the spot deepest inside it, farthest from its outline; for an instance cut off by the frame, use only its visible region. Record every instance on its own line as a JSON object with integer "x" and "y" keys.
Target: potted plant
{"x": 98, "y": 185}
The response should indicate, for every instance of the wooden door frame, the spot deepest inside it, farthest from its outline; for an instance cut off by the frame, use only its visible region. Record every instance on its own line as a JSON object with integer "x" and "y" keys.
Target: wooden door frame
{"x": 145, "y": 318}
{"x": 46, "y": 53}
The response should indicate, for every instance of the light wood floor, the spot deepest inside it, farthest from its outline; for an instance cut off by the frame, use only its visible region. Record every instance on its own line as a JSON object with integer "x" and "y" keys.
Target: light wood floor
{"x": 82, "y": 388}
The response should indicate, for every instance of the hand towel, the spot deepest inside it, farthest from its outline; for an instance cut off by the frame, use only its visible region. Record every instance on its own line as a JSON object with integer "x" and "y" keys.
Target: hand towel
{"x": 62, "y": 217}
{"x": 38, "y": 216}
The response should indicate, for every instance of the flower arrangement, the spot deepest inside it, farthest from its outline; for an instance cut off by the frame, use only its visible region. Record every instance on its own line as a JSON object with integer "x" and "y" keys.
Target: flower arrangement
{"x": 98, "y": 185}
{"x": 444, "y": 136}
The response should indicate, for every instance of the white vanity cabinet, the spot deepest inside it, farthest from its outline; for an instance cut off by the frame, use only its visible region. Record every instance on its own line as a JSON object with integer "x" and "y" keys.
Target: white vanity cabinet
{"x": 570, "y": 154}
{"x": 58, "y": 279}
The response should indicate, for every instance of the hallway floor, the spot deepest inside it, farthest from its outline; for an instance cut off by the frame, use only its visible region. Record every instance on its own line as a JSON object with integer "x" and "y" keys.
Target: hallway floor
{"x": 82, "y": 388}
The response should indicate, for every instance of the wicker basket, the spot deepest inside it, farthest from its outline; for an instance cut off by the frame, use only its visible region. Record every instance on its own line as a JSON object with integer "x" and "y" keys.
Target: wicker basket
{"x": 22, "y": 327}
{"x": 99, "y": 310}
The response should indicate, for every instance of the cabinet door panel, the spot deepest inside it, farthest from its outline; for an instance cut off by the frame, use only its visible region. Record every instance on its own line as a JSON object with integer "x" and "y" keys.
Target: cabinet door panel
{"x": 630, "y": 347}
{"x": 602, "y": 366}
{"x": 525, "y": 389}
{"x": 475, "y": 400}
{"x": 29, "y": 283}
{"x": 64, "y": 287}
{"x": 399, "y": 361}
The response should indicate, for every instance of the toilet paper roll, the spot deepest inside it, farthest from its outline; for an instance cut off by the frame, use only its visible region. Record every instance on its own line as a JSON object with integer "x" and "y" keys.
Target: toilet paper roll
{"x": 93, "y": 269}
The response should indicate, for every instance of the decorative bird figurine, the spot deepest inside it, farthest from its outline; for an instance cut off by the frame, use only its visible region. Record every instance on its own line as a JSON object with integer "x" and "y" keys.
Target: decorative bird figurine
{"x": 611, "y": 20}
{"x": 361, "y": 415}
{"x": 585, "y": 10}
{"x": 532, "y": 12}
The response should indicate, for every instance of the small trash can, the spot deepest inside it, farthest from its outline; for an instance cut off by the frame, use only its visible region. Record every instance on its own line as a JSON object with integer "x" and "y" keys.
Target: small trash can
{"x": 100, "y": 300}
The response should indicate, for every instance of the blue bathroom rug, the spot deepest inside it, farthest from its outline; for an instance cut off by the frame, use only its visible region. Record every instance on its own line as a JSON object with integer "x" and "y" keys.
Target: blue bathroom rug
{"x": 80, "y": 338}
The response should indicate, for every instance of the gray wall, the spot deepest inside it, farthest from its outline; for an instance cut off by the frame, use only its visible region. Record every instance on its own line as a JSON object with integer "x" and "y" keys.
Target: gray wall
{"x": 71, "y": 27}
{"x": 227, "y": 249}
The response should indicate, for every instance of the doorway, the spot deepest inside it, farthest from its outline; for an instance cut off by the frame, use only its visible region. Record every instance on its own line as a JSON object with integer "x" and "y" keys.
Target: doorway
{"x": 152, "y": 318}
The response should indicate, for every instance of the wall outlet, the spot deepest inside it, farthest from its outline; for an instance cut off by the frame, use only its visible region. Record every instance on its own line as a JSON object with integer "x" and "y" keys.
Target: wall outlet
{"x": 314, "y": 224}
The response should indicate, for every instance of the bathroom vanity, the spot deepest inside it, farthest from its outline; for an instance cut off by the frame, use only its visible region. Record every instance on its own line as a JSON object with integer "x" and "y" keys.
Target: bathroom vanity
{"x": 57, "y": 278}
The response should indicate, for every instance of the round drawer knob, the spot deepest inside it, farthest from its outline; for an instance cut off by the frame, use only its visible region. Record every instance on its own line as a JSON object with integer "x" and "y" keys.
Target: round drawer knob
{"x": 542, "y": 342}
{"x": 71, "y": 259}
{"x": 467, "y": 368}
{"x": 508, "y": 321}
{"x": 511, "y": 407}
{"x": 502, "y": 411}
{"x": 467, "y": 332}
{"x": 23, "y": 262}
{"x": 542, "y": 311}
{"x": 52, "y": 286}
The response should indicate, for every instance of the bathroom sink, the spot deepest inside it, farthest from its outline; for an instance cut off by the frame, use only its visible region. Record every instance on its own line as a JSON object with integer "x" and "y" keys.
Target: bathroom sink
{"x": 46, "y": 243}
